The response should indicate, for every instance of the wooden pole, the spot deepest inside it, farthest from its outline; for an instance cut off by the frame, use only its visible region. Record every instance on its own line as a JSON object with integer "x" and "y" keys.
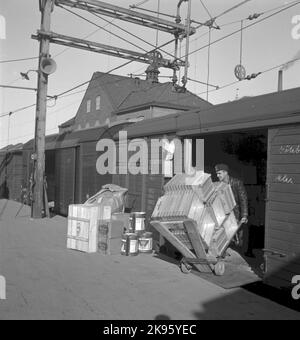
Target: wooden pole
{"x": 46, "y": 7}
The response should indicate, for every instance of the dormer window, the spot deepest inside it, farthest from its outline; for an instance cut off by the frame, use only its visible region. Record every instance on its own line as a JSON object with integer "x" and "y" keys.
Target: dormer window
{"x": 88, "y": 105}
{"x": 98, "y": 103}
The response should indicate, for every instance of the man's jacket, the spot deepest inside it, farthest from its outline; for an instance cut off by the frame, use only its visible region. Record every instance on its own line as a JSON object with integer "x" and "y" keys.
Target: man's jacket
{"x": 240, "y": 195}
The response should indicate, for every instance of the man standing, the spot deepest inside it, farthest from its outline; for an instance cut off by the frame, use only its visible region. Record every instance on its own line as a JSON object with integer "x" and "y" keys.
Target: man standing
{"x": 240, "y": 195}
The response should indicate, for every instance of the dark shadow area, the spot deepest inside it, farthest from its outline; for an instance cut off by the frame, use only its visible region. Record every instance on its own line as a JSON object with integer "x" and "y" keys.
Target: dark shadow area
{"x": 5, "y": 159}
{"x": 4, "y": 191}
{"x": 280, "y": 296}
{"x": 240, "y": 306}
{"x": 162, "y": 317}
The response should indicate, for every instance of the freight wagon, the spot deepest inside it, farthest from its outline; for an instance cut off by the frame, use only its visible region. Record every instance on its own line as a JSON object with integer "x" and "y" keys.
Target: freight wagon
{"x": 11, "y": 172}
{"x": 70, "y": 167}
{"x": 259, "y": 138}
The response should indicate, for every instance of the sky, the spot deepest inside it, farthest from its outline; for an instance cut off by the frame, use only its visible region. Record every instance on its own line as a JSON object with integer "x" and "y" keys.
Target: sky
{"x": 266, "y": 45}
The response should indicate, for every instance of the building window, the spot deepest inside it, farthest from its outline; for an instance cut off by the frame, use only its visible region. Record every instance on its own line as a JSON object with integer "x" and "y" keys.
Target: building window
{"x": 88, "y": 105}
{"x": 98, "y": 101}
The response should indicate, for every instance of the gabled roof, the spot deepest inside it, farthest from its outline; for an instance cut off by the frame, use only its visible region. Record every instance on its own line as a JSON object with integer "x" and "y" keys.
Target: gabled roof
{"x": 126, "y": 93}
{"x": 274, "y": 109}
{"x": 162, "y": 95}
{"x": 72, "y": 139}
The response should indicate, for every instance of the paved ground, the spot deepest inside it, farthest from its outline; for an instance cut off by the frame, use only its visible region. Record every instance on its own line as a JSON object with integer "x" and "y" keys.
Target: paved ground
{"x": 47, "y": 281}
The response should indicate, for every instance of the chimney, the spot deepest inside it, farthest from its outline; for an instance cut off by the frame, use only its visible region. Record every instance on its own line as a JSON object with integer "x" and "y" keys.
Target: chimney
{"x": 280, "y": 80}
{"x": 152, "y": 73}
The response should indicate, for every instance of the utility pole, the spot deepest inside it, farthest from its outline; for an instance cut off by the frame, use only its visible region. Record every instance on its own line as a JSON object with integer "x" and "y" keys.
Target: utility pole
{"x": 187, "y": 46}
{"x": 46, "y": 7}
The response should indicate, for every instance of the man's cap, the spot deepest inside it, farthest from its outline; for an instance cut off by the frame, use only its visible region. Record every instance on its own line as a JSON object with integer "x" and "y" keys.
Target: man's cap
{"x": 220, "y": 167}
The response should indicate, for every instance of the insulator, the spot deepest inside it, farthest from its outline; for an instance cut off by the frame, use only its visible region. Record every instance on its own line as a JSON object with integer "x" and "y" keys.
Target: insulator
{"x": 254, "y": 16}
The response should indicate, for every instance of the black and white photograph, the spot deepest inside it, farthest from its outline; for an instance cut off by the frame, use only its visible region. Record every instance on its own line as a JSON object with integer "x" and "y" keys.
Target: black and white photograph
{"x": 149, "y": 163}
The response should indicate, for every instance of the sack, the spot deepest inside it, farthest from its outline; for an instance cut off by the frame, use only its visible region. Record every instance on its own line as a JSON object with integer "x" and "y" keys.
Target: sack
{"x": 111, "y": 198}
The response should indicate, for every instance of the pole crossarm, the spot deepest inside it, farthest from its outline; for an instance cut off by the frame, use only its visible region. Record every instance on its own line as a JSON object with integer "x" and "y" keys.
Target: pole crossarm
{"x": 105, "y": 49}
{"x": 19, "y": 87}
{"x": 127, "y": 15}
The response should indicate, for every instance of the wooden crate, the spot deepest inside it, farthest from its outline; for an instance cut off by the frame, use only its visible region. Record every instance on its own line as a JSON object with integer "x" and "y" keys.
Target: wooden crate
{"x": 110, "y": 233}
{"x": 226, "y": 196}
{"x": 83, "y": 227}
{"x": 119, "y": 222}
{"x": 110, "y": 246}
{"x": 217, "y": 209}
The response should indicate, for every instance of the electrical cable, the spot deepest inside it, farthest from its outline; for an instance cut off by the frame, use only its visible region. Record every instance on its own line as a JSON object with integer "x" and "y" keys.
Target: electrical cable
{"x": 81, "y": 84}
{"x": 157, "y": 31}
{"x": 122, "y": 29}
{"x": 208, "y": 61}
{"x": 139, "y": 4}
{"x": 248, "y": 26}
{"x": 67, "y": 91}
{"x": 248, "y": 18}
{"x": 260, "y": 73}
{"x": 15, "y": 60}
{"x": 93, "y": 23}
{"x": 108, "y": 72}
{"x": 207, "y": 11}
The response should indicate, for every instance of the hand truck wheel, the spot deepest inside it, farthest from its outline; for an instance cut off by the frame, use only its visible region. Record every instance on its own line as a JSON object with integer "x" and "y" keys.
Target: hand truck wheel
{"x": 185, "y": 267}
{"x": 219, "y": 268}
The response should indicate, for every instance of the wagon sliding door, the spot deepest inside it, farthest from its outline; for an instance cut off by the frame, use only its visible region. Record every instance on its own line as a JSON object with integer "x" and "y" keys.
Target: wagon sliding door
{"x": 282, "y": 234}
{"x": 64, "y": 179}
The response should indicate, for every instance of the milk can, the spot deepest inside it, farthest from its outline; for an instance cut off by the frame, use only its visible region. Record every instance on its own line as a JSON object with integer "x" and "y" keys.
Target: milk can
{"x": 129, "y": 245}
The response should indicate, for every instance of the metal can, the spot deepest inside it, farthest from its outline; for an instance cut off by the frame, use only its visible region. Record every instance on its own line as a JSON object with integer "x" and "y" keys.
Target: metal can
{"x": 129, "y": 245}
{"x": 138, "y": 221}
{"x": 145, "y": 243}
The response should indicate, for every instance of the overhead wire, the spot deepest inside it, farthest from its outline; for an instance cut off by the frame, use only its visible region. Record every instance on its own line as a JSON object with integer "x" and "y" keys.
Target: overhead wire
{"x": 222, "y": 38}
{"x": 93, "y": 23}
{"x": 62, "y": 94}
{"x": 157, "y": 31}
{"x": 16, "y": 60}
{"x": 248, "y": 26}
{"x": 208, "y": 60}
{"x": 122, "y": 29}
{"x": 260, "y": 73}
{"x": 249, "y": 16}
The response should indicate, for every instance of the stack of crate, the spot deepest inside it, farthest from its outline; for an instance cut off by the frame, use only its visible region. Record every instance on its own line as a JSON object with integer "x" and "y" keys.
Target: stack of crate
{"x": 83, "y": 227}
{"x": 110, "y": 233}
{"x": 90, "y": 230}
{"x": 209, "y": 204}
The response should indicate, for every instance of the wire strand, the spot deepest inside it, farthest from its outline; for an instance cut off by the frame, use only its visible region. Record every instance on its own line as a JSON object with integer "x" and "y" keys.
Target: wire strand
{"x": 15, "y": 60}
{"x": 248, "y": 26}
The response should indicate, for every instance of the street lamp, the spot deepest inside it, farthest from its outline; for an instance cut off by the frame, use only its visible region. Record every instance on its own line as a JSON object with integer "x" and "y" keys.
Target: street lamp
{"x": 24, "y": 75}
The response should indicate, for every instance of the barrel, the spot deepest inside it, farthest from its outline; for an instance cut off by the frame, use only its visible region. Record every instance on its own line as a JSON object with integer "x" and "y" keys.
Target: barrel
{"x": 138, "y": 221}
{"x": 129, "y": 245}
{"x": 145, "y": 243}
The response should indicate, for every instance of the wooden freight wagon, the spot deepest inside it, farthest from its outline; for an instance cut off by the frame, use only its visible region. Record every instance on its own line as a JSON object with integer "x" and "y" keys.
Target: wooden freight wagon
{"x": 259, "y": 138}
{"x": 76, "y": 176}
{"x": 11, "y": 172}
{"x": 282, "y": 241}
{"x": 27, "y": 151}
